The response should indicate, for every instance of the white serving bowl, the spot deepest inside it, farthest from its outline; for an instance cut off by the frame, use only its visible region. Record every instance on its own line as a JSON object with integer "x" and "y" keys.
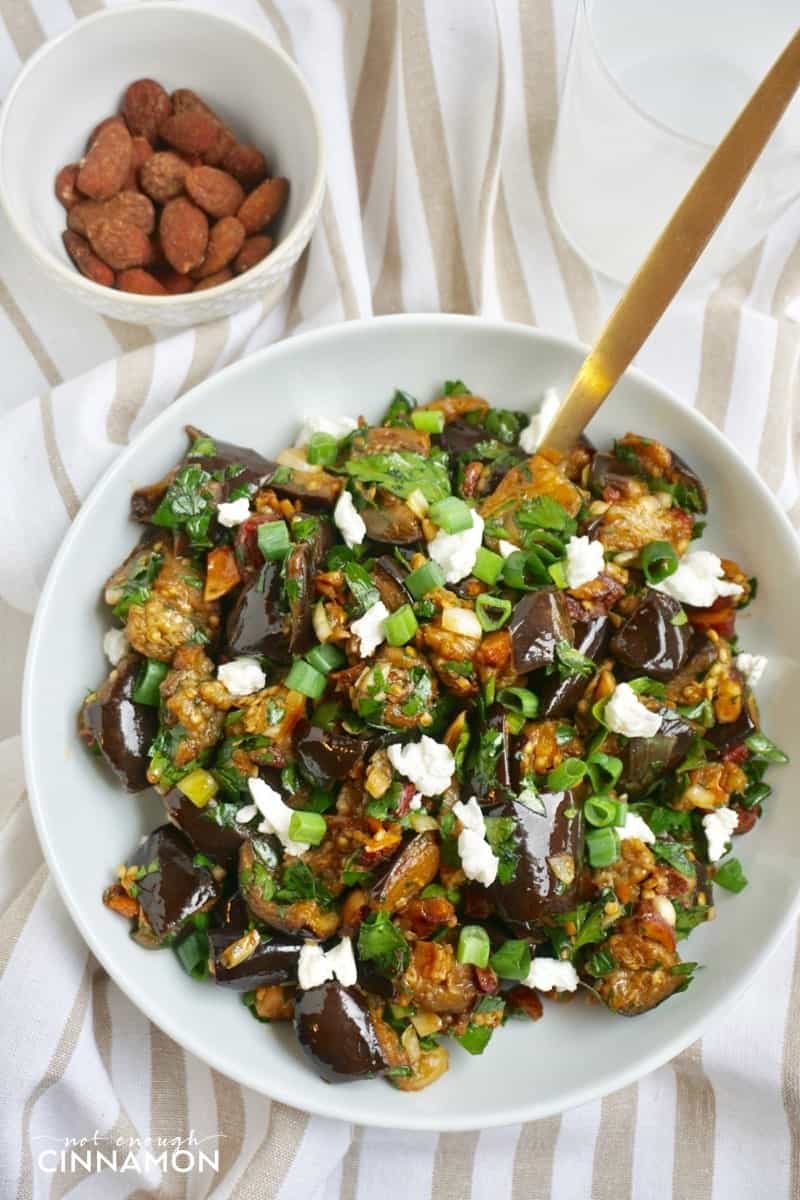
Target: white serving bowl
{"x": 87, "y": 825}
{"x": 76, "y": 79}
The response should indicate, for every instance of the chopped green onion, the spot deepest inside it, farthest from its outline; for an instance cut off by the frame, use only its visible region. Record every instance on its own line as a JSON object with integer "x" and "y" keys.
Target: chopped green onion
{"x": 326, "y": 658}
{"x": 326, "y": 713}
{"x": 603, "y": 765}
{"x": 476, "y": 1038}
{"x": 755, "y": 794}
{"x": 558, "y": 574}
{"x": 764, "y": 748}
{"x": 569, "y": 773}
{"x": 424, "y": 579}
{"x": 512, "y": 960}
{"x": 199, "y": 786}
{"x": 305, "y": 679}
{"x": 273, "y": 540}
{"x": 520, "y": 700}
{"x": 601, "y": 811}
{"x": 658, "y": 561}
{"x": 488, "y": 566}
{"x": 473, "y": 946}
{"x": 322, "y": 449}
{"x": 452, "y": 515}
{"x": 400, "y": 626}
{"x": 193, "y": 953}
{"x": 308, "y": 827}
{"x": 602, "y": 846}
{"x": 148, "y": 682}
{"x": 492, "y": 612}
{"x": 429, "y": 420}
{"x": 731, "y": 876}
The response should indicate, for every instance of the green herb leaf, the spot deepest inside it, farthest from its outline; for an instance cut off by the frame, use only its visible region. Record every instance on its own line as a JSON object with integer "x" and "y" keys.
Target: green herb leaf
{"x": 731, "y": 876}
{"x": 382, "y": 943}
{"x": 403, "y": 472}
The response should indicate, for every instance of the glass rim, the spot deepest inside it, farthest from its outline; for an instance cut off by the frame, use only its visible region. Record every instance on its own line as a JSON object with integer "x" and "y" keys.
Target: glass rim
{"x": 773, "y": 154}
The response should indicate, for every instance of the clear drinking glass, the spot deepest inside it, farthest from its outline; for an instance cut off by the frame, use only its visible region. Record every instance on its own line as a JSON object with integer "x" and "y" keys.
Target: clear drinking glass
{"x": 650, "y": 88}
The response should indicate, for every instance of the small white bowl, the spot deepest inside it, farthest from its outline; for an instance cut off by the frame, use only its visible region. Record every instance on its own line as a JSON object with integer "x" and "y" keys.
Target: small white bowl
{"x": 74, "y": 81}
{"x": 87, "y": 826}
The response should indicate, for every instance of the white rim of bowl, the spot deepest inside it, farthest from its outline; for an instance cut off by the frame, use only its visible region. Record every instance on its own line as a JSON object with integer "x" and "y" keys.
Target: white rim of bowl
{"x": 274, "y": 260}
{"x": 158, "y": 1011}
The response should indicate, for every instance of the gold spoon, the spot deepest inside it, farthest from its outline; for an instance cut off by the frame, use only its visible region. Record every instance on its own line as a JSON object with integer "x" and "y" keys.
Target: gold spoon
{"x": 677, "y": 250}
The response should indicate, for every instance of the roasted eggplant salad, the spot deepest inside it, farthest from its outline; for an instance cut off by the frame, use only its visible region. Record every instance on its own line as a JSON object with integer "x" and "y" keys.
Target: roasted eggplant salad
{"x": 442, "y": 722}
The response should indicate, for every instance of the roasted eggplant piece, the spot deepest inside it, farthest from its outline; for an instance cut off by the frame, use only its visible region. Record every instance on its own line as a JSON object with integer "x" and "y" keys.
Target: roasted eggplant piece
{"x": 461, "y": 437}
{"x": 259, "y": 871}
{"x": 122, "y": 730}
{"x": 540, "y": 621}
{"x": 723, "y": 736}
{"x": 550, "y": 847}
{"x": 256, "y": 625}
{"x": 390, "y": 521}
{"x": 274, "y": 960}
{"x": 334, "y": 1027}
{"x": 170, "y": 887}
{"x": 435, "y": 981}
{"x": 650, "y": 643}
{"x": 558, "y": 696}
{"x": 328, "y": 755}
{"x": 389, "y": 578}
{"x": 607, "y": 471}
{"x": 207, "y": 835}
{"x": 643, "y": 952}
{"x": 412, "y": 870}
{"x": 644, "y": 760}
{"x": 316, "y": 490}
{"x": 490, "y": 769}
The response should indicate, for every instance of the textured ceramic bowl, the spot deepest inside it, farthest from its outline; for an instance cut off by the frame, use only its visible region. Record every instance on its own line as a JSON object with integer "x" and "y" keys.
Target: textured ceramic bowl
{"x": 79, "y": 78}
{"x": 87, "y": 825}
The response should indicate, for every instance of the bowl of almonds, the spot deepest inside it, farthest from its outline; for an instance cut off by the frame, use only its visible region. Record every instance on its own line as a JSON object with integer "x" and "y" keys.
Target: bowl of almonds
{"x": 176, "y": 172}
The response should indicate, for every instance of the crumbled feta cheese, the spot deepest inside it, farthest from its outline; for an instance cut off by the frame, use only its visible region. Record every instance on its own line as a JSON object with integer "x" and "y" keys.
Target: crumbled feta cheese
{"x": 246, "y": 813}
{"x": 276, "y": 814}
{"x": 242, "y": 677}
{"x": 349, "y": 521}
{"x": 233, "y": 512}
{"x": 478, "y": 860}
{"x": 719, "y": 826}
{"x": 316, "y": 966}
{"x": 636, "y": 827}
{"x": 506, "y": 548}
{"x": 337, "y": 427}
{"x": 585, "y": 561}
{"x": 548, "y": 973}
{"x": 428, "y": 764}
{"x": 698, "y": 580}
{"x": 626, "y": 714}
{"x": 456, "y": 552}
{"x": 533, "y": 433}
{"x": 115, "y": 645}
{"x": 343, "y": 963}
{"x": 752, "y": 666}
{"x": 415, "y": 803}
{"x": 371, "y": 628}
{"x": 313, "y": 967}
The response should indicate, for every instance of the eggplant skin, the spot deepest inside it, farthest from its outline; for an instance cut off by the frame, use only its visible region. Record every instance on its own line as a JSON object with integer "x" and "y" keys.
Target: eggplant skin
{"x": 649, "y": 642}
{"x": 413, "y": 869}
{"x": 328, "y": 755}
{"x": 122, "y": 730}
{"x": 255, "y": 623}
{"x": 273, "y": 961}
{"x": 220, "y": 842}
{"x": 558, "y": 697}
{"x": 176, "y": 888}
{"x": 644, "y": 760}
{"x": 540, "y": 621}
{"x": 535, "y": 892}
{"x": 723, "y": 736}
{"x": 334, "y": 1027}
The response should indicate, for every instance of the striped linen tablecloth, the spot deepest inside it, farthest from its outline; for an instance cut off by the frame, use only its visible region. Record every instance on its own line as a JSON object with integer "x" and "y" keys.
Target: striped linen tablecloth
{"x": 440, "y": 119}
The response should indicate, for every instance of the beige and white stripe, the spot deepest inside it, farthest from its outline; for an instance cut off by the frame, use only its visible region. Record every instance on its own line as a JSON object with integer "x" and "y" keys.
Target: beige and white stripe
{"x": 440, "y": 120}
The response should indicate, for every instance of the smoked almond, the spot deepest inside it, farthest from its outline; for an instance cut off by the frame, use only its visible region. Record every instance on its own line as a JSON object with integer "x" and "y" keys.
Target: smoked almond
{"x": 120, "y": 244}
{"x": 252, "y": 252}
{"x": 189, "y": 132}
{"x": 245, "y": 163}
{"x": 86, "y": 260}
{"x": 128, "y": 206}
{"x": 264, "y": 203}
{"x": 184, "y": 234}
{"x": 66, "y": 189}
{"x": 215, "y": 191}
{"x": 145, "y": 106}
{"x": 213, "y": 280}
{"x": 105, "y": 168}
{"x": 224, "y": 243}
{"x": 140, "y": 282}
{"x": 163, "y": 175}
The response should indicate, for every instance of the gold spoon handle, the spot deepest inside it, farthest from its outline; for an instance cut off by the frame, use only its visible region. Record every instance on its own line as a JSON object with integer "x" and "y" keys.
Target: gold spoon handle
{"x": 677, "y": 250}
